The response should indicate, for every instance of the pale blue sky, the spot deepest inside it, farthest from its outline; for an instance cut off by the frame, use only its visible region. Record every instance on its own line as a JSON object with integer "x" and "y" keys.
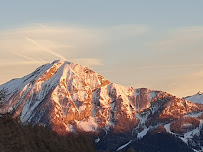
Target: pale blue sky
{"x": 156, "y": 44}
{"x": 157, "y": 13}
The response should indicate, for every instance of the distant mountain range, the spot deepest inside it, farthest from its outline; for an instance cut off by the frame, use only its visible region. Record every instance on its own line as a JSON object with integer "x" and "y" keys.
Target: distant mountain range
{"x": 68, "y": 97}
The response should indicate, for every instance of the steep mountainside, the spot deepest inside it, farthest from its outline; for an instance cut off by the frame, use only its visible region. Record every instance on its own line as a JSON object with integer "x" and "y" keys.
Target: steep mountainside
{"x": 68, "y": 97}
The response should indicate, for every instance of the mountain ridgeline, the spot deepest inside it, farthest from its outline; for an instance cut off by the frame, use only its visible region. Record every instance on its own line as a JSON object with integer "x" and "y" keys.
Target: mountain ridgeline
{"x": 70, "y": 98}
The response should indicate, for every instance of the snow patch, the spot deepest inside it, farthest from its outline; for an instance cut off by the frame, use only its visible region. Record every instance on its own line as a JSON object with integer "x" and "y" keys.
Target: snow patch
{"x": 142, "y": 133}
{"x": 168, "y": 128}
{"x": 142, "y": 119}
{"x": 97, "y": 140}
{"x": 82, "y": 108}
{"x": 197, "y": 98}
{"x": 192, "y": 133}
{"x": 123, "y": 146}
{"x": 152, "y": 94}
{"x": 89, "y": 125}
{"x": 186, "y": 125}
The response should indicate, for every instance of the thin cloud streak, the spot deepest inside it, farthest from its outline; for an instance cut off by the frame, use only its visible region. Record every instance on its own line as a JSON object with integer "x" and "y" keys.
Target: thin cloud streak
{"x": 47, "y": 43}
{"x": 45, "y": 49}
{"x": 180, "y": 39}
{"x": 3, "y": 64}
{"x": 23, "y": 56}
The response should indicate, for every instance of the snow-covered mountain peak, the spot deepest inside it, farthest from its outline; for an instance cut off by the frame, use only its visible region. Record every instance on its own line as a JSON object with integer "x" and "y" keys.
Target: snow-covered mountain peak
{"x": 56, "y": 80}
{"x": 200, "y": 93}
{"x": 60, "y": 61}
{"x": 196, "y": 98}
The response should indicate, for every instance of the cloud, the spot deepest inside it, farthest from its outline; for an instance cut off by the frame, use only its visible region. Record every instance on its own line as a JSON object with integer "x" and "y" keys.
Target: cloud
{"x": 180, "y": 39}
{"x": 36, "y": 44}
{"x": 46, "y": 49}
{"x": 41, "y": 43}
{"x": 21, "y": 63}
{"x": 24, "y": 49}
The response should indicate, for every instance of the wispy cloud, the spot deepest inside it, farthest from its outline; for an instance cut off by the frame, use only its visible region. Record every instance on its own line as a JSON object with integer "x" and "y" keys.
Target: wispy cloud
{"x": 43, "y": 48}
{"x": 24, "y": 56}
{"x": 41, "y": 43}
{"x": 179, "y": 39}
{"x": 33, "y": 45}
{"x": 20, "y": 63}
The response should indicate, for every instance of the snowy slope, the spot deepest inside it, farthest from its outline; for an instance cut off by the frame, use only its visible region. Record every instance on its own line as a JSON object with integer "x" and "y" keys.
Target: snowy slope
{"x": 197, "y": 98}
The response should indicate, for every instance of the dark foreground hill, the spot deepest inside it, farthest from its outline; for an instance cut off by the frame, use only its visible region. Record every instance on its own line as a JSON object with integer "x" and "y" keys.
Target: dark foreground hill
{"x": 15, "y": 137}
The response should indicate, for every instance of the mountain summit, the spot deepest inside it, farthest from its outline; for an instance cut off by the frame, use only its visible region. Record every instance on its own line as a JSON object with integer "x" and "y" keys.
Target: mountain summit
{"x": 54, "y": 93}
{"x": 197, "y": 98}
{"x": 68, "y": 97}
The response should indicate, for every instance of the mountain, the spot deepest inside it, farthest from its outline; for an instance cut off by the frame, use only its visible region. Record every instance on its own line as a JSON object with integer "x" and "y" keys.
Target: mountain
{"x": 197, "y": 98}
{"x": 68, "y": 97}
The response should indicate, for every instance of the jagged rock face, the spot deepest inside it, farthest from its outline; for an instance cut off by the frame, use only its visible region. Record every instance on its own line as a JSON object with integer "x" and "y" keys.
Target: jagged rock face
{"x": 69, "y": 97}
